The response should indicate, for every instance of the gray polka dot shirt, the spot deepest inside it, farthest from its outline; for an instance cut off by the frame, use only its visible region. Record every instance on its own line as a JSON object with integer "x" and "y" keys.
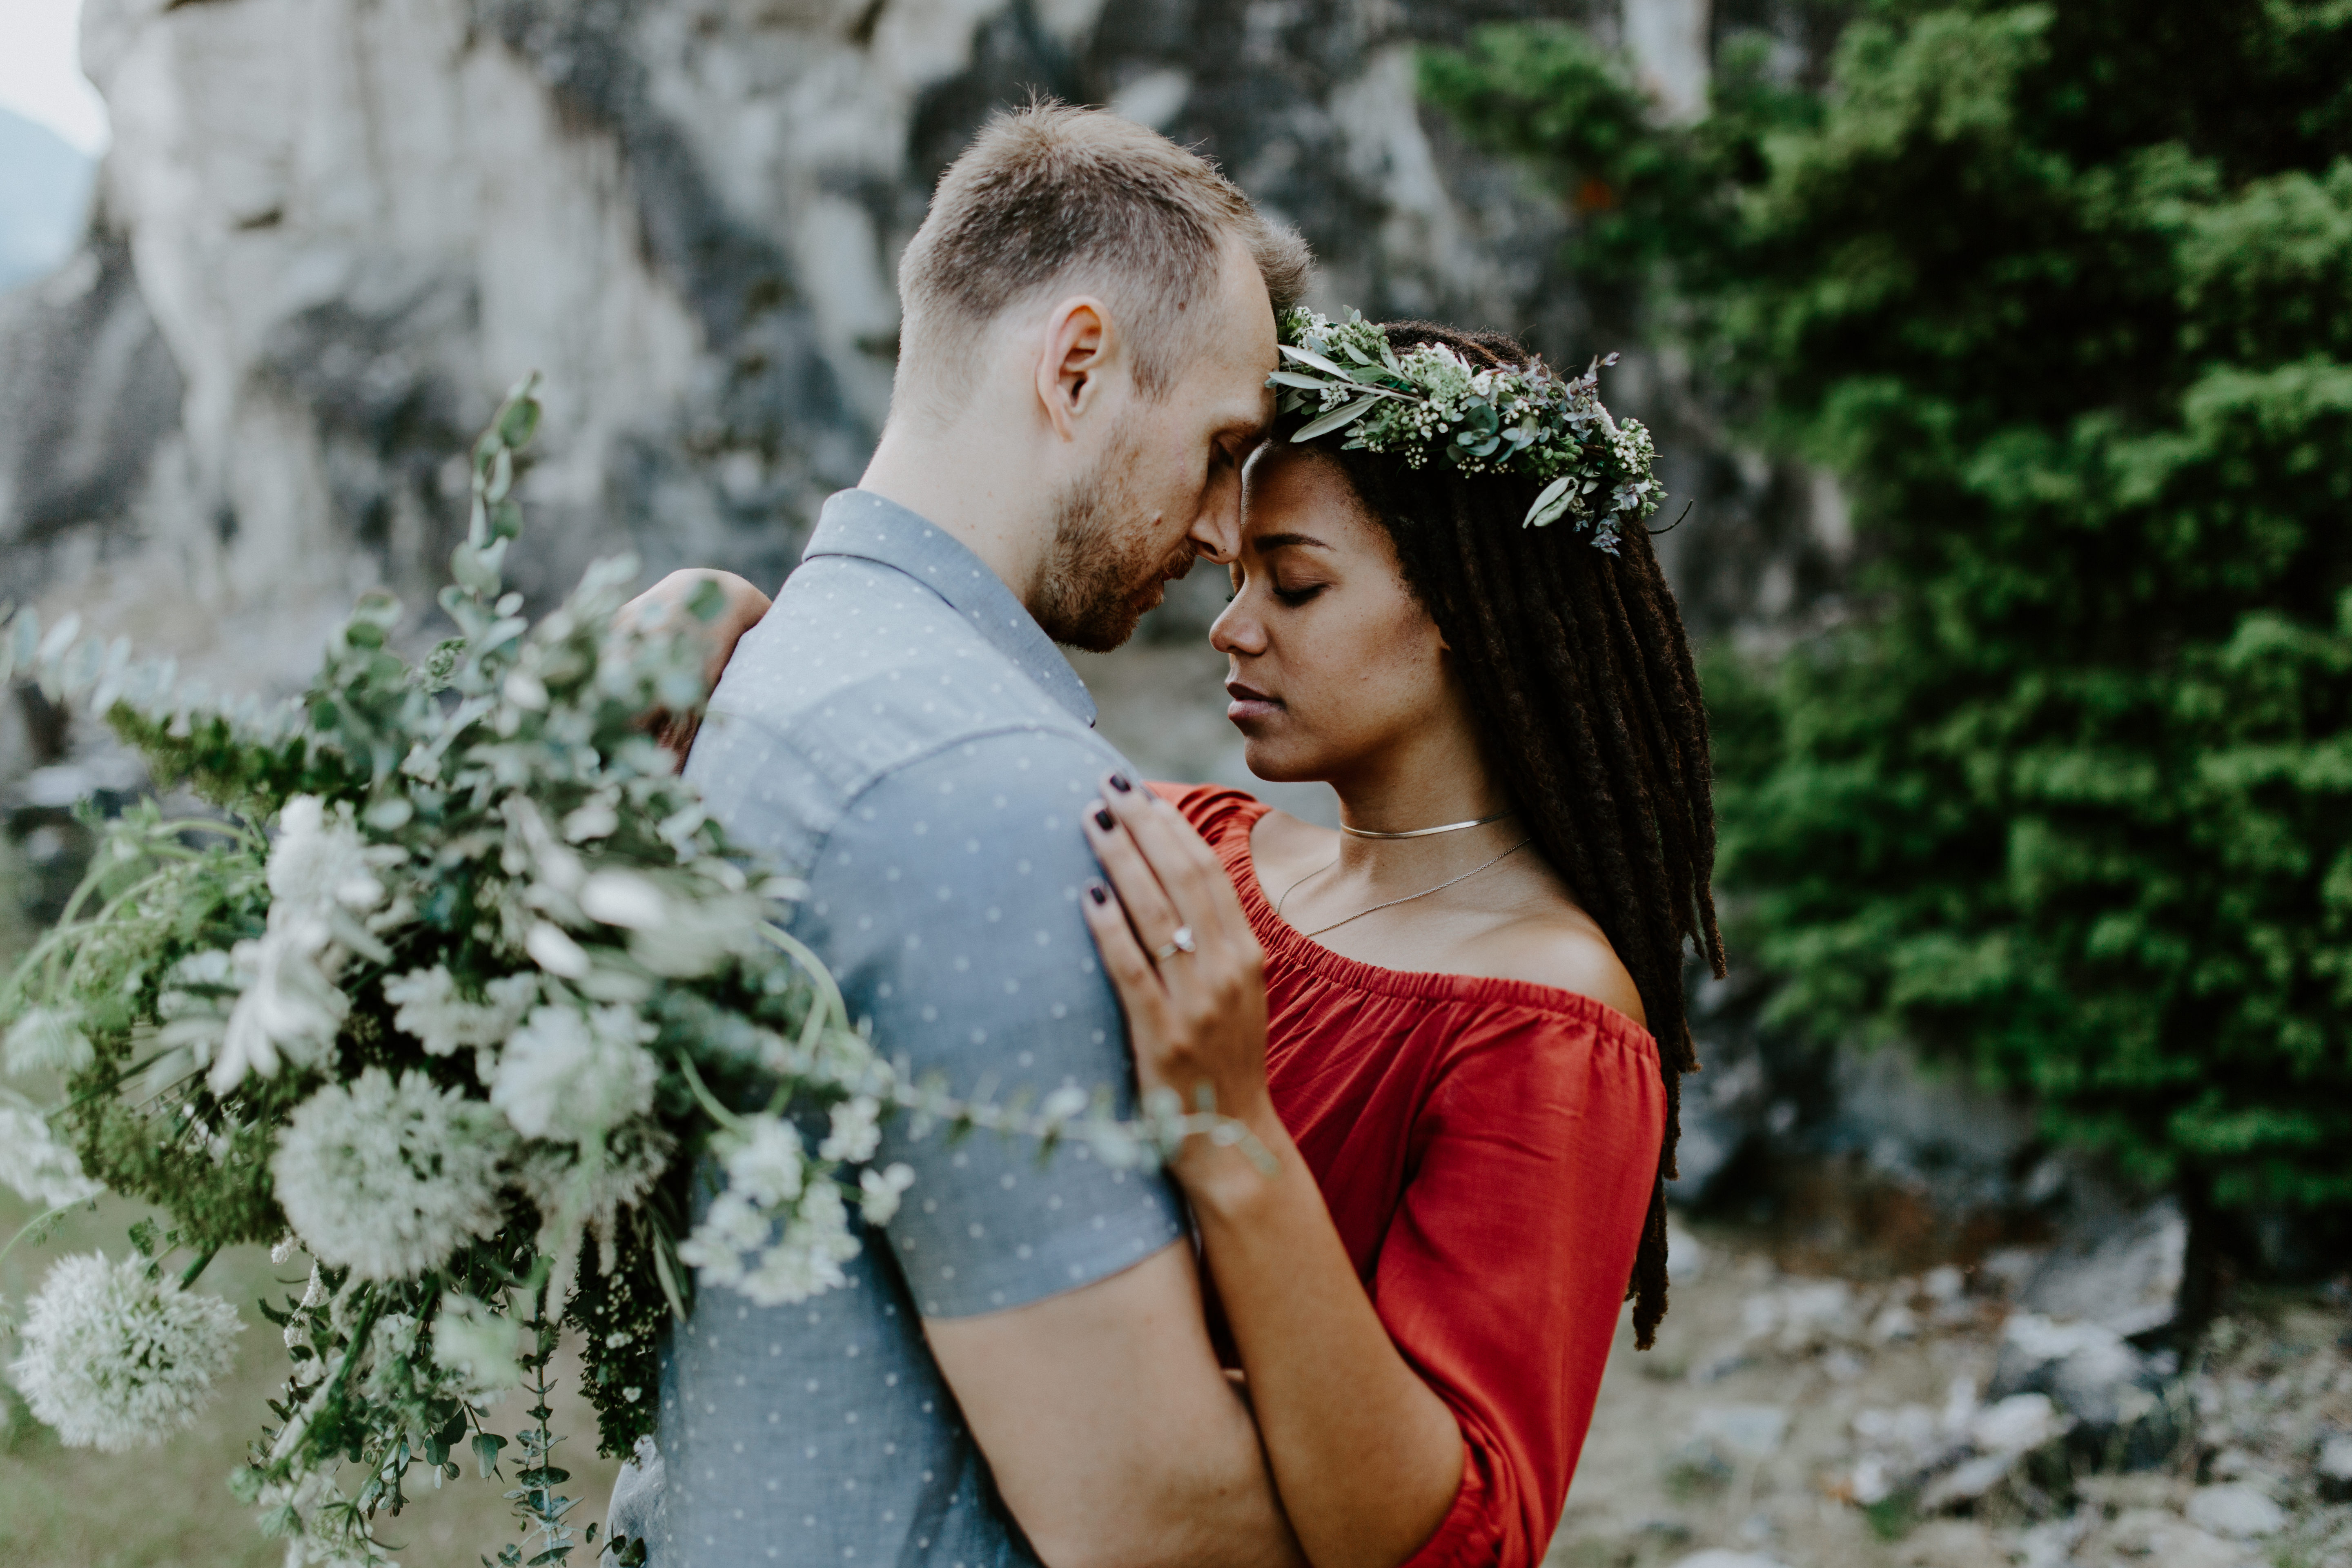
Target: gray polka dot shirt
{"x": 901, "y": 733}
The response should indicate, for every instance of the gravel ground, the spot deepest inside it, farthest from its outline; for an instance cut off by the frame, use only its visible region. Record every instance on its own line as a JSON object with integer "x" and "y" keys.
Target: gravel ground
{"x": 1738, "y": 1442}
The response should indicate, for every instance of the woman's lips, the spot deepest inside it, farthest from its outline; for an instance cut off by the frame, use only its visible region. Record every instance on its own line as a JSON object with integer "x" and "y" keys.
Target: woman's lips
{"x": 1249, "y": 703}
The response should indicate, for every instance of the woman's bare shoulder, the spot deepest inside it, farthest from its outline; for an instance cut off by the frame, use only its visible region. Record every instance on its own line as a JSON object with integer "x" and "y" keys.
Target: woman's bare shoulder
{"x": 1566, "y": 951}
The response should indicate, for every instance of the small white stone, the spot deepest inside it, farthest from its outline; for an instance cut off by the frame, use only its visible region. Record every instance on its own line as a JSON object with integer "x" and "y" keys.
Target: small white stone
{"x": 2240, "y": 1513}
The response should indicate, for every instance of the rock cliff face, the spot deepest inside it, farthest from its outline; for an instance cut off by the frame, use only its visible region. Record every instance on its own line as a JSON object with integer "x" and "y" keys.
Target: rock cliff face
{"x": 330, "y": 232}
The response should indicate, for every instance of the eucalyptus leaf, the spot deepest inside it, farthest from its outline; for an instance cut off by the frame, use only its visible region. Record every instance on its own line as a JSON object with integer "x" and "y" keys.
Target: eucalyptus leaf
{"x": 1550, "y": 502}
{"x": 1317, "y": 361}
{"x": 1337, "y": 420}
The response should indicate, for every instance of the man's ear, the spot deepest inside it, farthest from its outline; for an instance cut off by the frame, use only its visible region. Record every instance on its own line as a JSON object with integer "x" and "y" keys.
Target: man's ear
{"x": 1078, "y": 346}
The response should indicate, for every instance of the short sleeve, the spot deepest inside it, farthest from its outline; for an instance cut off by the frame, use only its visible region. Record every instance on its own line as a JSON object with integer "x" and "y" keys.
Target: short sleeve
{"x": 1503, "y": 1278}
{"x": 946, "y": 899}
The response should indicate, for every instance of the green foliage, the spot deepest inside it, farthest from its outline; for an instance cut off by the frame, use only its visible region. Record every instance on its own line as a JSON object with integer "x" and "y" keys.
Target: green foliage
{"x": 2063, "y": 294}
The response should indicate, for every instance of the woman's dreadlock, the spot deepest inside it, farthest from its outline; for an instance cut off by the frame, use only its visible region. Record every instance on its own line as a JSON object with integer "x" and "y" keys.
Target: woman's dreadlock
{"x": 1580, "y": 679}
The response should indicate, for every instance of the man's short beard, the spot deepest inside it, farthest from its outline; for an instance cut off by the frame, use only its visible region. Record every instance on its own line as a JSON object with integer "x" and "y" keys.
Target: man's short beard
{"x": 1101, "y": 560}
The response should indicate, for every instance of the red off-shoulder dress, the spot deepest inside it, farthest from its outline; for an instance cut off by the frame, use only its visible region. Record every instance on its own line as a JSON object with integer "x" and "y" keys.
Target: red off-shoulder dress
{"x": 1486, "y": 1148}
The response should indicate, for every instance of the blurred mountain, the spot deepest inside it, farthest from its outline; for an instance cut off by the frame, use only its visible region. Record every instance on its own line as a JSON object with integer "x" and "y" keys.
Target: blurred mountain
{"x": 44, "y": 198}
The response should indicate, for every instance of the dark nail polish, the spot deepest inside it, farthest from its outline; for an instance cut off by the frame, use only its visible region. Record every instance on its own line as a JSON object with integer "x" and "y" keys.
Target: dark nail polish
{"x": 1098, "y": 892}
{"x": 1119, "y": 781}
{"x": 1102, "y": 820}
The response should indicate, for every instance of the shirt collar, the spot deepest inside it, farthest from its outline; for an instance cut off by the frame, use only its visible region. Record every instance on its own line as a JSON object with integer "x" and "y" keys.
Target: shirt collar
{"x": 868, "y": 527}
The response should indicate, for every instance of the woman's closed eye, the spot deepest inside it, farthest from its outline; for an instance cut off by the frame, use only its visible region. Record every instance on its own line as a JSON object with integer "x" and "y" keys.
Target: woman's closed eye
{"x": 1294, "y": 597}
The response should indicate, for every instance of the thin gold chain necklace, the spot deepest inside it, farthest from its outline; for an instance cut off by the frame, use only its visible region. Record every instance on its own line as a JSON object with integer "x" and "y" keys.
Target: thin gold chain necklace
{"x": 1392, "y": 903}
{"x": 1422, "y": 832}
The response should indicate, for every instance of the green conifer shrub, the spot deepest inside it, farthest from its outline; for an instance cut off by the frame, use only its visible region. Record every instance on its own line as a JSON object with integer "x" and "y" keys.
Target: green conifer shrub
{"x": 2064, "y": 295}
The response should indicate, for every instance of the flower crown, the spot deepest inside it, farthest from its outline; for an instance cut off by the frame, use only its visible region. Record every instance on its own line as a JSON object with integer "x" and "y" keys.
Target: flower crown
{"x": 1430, "y": 400}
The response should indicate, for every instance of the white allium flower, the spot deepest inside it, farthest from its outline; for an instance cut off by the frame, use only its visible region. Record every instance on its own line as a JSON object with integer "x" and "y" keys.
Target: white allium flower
{"x": 856, "y": 1131}
{"x": 475, "y": 1345}
{"x": 290, "y": 1005}
{"x": 114, "y": 1358}
{"x": 390, "y": 1179}
{"x": 46, "y": 1171}
{"x": 48, "y": 1039}
{"x": 571, "y": 1075}
{"x": 319, "y": 861}
{"x": 442, "y": 1021}
{"x": 879, "y": 1191}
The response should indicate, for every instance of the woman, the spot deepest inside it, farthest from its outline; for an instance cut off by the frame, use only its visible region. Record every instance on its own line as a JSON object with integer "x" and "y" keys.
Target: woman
{"x": 1433, "y": 1020}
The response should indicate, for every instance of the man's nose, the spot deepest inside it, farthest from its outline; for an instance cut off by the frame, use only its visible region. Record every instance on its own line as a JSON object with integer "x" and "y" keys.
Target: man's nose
{"x": 1216, "y": 533}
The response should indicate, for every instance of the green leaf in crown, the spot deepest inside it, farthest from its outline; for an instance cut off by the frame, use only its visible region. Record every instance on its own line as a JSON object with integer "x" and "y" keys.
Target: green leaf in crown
{"x": 1429, "y": 402}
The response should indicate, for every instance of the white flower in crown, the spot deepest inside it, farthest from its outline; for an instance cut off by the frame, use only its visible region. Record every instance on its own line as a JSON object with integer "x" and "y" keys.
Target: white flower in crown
{"x": 44, "y": 1170}
{"x": 390, "y": 1179}
{"x": 572, "y": 1074}
{"x": 1429, "y": 402}
{"x": 116, "y": 1356}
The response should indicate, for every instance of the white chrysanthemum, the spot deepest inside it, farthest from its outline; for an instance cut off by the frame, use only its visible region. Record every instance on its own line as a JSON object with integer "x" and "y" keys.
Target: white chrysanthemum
{"x": 290, "y": 1005}
{"x": 571, "y": 1075}
{"x": 320, "y": 859}
{"x": 48, "y": 1039}
{"x": 32, "y": 1161}
{"x": 390, "y": 1179}
{"x": 114, "y": 1359}
{"x": 442, "y": 1021}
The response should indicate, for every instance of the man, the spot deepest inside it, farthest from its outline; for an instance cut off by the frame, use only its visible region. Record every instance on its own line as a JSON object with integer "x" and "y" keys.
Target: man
{"x": 1019, "y": 1368}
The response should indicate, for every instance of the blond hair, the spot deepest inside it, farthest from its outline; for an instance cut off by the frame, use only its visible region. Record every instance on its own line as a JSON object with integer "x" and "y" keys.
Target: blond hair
{"x": 1051, "y": 194}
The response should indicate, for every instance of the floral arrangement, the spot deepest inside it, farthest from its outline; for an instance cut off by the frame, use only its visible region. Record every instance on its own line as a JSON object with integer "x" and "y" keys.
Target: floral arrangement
{"x": 1428, "y": 401}
{"x": 453, "y": 998}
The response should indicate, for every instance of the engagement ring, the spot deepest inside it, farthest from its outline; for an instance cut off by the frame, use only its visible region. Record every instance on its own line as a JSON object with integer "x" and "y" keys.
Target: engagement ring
{"x": 1178, "y": 940}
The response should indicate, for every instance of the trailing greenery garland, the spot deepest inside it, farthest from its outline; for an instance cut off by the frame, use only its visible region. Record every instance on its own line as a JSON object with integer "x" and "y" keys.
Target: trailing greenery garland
{"x": 454, "y": 997}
